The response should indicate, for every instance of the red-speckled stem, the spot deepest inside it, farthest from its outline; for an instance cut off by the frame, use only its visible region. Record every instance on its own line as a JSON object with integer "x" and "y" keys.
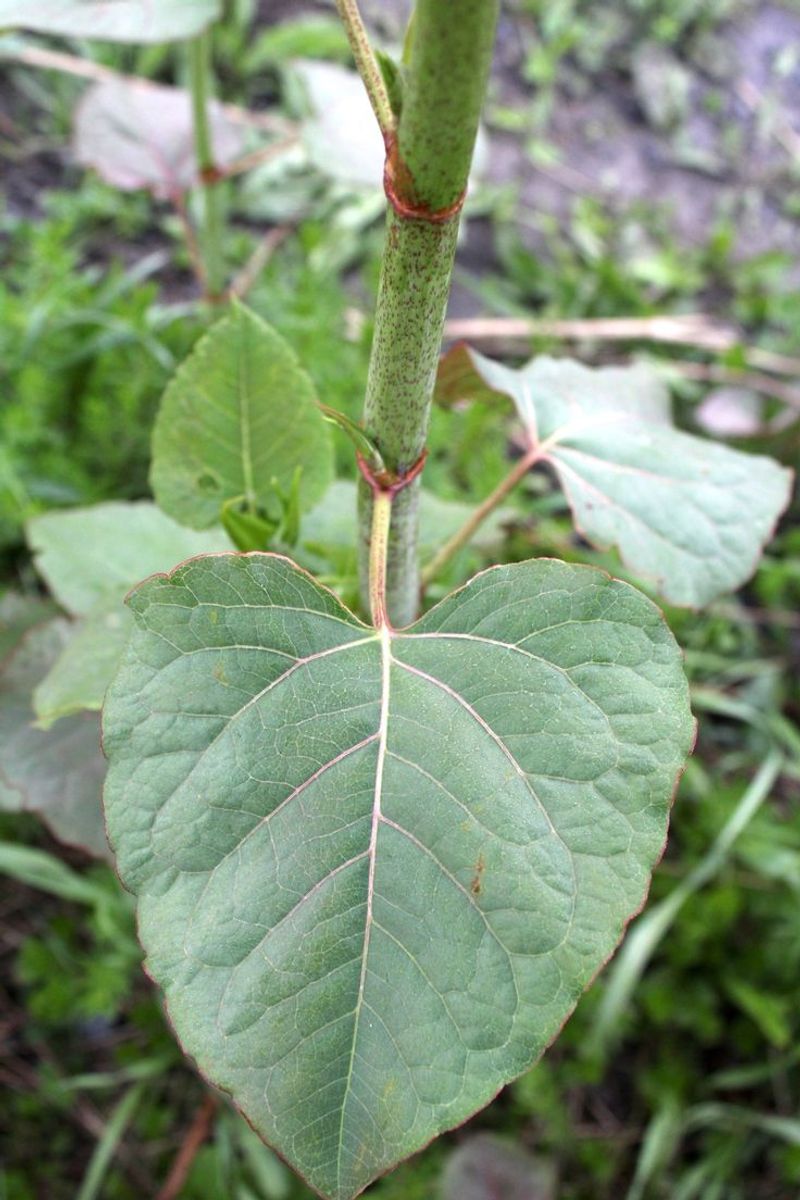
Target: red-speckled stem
{"x": 427, "y": 167}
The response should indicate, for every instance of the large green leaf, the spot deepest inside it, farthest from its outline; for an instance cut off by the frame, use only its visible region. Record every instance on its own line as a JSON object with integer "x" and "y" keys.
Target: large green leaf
{"x": 57, "y": 774}
{"x": 90, "y": 557}
{"x": 689, "y": 515}
{"x": 78, "y": 678}
{"x": 112, "y": 20}
{"x": 237, "y": 420}
{"x": 376, "y": 869}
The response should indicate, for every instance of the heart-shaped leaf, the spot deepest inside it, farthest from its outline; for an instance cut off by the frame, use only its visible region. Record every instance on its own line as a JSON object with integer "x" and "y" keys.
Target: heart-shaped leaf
{"x": 376, "y": 869}
{"x": 111, "y": 20}
{"x": 58, "y": 773}
{"x": 689, "y": 515}
{"x": 237, "y": 420}
{"x": 137, "y": 134}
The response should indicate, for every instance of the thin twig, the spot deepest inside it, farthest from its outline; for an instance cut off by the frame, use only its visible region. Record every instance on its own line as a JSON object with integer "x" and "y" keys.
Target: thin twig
{"x": 192, "y": 244}
{"x": 247, "y": 277}
{"x": 769, "y": 360}
{"x": 56, "y": 60}
{"x": 691, "y": 329}
{"x": 196, "y": 1134}
{"x": 468, "y": 530}
{"x": 715, "y": 373}
{"x": 367, "y": 65}
{"x": 257, "y": 158}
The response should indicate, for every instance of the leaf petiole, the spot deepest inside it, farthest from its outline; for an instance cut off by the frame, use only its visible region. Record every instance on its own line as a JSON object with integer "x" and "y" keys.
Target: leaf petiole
{"x": 378, "y": 551}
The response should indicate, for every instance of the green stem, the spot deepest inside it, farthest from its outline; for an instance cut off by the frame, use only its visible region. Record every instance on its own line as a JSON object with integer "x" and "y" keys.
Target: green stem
{"x": 426, "y": 175}
{"x": 200, "y": 79}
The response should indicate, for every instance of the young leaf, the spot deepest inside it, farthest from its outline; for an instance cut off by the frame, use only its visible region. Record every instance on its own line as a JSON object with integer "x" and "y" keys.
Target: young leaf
{"x": 690, "y": 515}
{"x": 237, "y": 419}
{"x": 137, "y": 134}
{"x": 57, "y": 774}
{"x": 122, "y": 21}
{"x": 376, "y": 869}
{"x": 247, "y": 530}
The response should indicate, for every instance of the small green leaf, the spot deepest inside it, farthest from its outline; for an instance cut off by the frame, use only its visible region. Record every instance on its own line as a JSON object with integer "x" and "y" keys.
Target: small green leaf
{"x": 289, "y": 530}
{"x": 58, "y": 773}
{"x": 689, "y": 515}
{"x": 393, "y": 78}
{"x": 122, "y": 21}
{"x": 359, "y": 438}
{"x": 376, "y": 869}
{"x": 247, "y": 530}
{"x": 237, "y": 419}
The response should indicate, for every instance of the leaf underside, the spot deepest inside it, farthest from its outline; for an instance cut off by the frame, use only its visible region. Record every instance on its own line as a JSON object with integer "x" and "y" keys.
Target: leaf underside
{"x": 376, "y": 870}
{"x": 138, "y": 134}
{"x": 117, "y": 21}
{"x": 688, "y": 515}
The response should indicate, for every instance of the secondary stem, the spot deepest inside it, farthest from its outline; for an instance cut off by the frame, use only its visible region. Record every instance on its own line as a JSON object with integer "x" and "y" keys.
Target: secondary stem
{"x": 467, "y": 531}
{"x": 367, "y": 64}
{"x": 200, "y": 75}
{"x": 426, "y": 174}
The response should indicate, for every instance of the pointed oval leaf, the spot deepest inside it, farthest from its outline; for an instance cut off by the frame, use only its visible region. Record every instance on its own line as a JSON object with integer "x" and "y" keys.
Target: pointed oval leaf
{"x": 137, "y": 134}
{"x": 239, "y": 417}
{"x": 117, "y": 21}
{"x": 689, "y": 515}
{"x": 57, "y": 773}
{"x": 375, "y": 870}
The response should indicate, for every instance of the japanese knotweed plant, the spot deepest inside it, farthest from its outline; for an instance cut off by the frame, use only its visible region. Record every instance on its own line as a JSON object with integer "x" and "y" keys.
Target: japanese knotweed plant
{"x": 378, "y": 860}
